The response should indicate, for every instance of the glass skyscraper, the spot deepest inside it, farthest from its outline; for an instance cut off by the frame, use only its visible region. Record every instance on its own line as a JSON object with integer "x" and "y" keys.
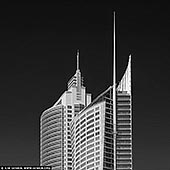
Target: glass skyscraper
{"x": 79, "y": 134}
{"x": 55, "y": 132}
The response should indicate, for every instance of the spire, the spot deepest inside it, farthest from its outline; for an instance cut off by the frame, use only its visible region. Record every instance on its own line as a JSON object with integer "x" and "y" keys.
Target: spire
{"x": 114, "y": 51}
{"x": 114, "y": 92}
{"x": 76, "y": 79}
{"x": 78, "y": 59}
{"x": 78, "y": 75}
{"x": 125, "y": 83}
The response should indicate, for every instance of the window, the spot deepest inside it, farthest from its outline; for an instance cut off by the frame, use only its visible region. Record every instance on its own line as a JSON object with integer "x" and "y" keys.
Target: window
{"x": 82, "y": 160}
{"x": 83, "y": 131}
{"x": 77, "y": 130}
{"x": 91, "y": 165}
{"x": 83, "y": 126}
{"x": 83, "y": 135}
{"x": 90, "y": 121}
{"x": 97, "y": 118}
{"x": 98, "y": 147}
{"x": 77, "y": 154}
{"x": 77, "y": 163}
{"x": 77, "y": 145}
{"x": 83, "y": 154}
{"x": 97, "y": 133}
{"x": 83, "y": 140}
{"x": 97, "y": 128}
{"x": 90, "y": 141}
{"x": 89, "y": 117}
{"x": 90, "y": 111}
{"x": 98, "y": 137}
{"x": 90, "y": 131}
{"x": 91, "y": 160}
{"x": 77, "y": 149}
{"x": 97, "y": 143}
{"x": 90, "y": 151}
{"x": 83, "y": 116}
{"x": 97, "y": 113}
{"x": 82, "y": 121}
{"x": 97, "y": 108}
{"x": 77, "y": 140}
{"x": 83, "y": 145}
{"x": 77, "y": 126}
{"x": 90, "y": 156}
{"x": 90, "y": 126}
{"x": 78, "y": 134}
{"x": 97, "y": 158}
{"x": 90, "y": 146}
{"x": 97, "y": 123}
{"x": 90, "y": 136}
{"x": 69, "y": 107}
{"x": 97, "y": 153}
{"x": 97, "y": 163}
{"x": 77, "y": 121}
{"x": 83, "y": 164}
{"x": 78, "y": 168}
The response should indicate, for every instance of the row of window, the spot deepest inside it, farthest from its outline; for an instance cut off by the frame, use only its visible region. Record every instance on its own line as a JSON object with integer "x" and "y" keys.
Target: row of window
{"x": 88, "y": 151}
{"x": 51, "y": 129}
{"x": 53, "y": 118}
{"x": 50, "y": 123}
{"x": 51, "y": 112}
{"x": 88, "y": 113}
{"x": 47, "y": 137}
{"x": 88, "y": 163}
{"x": 55, "y": 138}
{"x": 89, "y": 145}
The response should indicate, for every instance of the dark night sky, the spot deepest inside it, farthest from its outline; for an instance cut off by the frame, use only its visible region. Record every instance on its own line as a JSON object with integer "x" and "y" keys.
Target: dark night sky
{"x": 38, "y": 44}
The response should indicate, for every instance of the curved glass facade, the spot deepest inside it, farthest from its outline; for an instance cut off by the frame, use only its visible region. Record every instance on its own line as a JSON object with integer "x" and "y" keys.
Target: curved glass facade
{"x": 87, "y": 134}
{"x": 51, "y": 137}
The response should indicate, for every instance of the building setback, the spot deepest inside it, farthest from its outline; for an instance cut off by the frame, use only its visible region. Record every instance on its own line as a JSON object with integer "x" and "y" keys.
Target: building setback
{"x": 77, "y": 134}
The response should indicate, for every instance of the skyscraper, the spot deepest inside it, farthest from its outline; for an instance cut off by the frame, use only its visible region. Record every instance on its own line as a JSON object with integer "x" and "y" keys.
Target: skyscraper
{"x": 92, "y": 130}
{"x": 55, "y": 136}
{"x": 80, "y": 134}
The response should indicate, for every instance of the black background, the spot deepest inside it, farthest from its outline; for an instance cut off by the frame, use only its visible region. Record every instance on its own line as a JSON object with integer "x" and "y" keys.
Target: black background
{"x": 38, "y": 44}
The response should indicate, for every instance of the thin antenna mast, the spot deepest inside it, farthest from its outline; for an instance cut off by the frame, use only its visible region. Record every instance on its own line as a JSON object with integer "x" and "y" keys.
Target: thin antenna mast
{"x": 78, "y": 75}
{"x": 114, "y": 92}
{"x": 77, "y": 59}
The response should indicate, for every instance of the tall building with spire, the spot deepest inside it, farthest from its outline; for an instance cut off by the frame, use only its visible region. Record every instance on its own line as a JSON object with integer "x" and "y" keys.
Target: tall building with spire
{"x": 93, "y": 133}
{"x": 55, "y": 135}
{"x": 77, "y": 134}
{"x": 80, "y": 134}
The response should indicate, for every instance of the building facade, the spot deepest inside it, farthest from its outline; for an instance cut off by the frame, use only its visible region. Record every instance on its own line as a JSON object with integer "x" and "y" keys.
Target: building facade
{"x": 55, "y": 134}
{"x": 78, "y": 134}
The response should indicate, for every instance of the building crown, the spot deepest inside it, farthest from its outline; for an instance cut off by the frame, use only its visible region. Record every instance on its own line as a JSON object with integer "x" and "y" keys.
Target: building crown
{"x": 76, "y": 80}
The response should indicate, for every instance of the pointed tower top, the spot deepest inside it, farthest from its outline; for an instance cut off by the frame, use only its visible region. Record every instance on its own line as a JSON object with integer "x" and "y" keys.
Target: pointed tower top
{"x": 125, "y": 83}
{"x": 78, "y": 59}
{"x": 114, "y": 50}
